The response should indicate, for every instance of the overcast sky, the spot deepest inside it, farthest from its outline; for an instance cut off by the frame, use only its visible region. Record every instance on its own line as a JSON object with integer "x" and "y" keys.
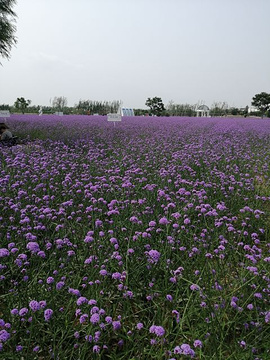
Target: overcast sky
{"x": 181, "y": 50}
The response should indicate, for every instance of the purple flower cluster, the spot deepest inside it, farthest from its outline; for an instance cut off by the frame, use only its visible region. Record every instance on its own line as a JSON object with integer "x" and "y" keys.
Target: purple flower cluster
{"x": 153, "y": 221}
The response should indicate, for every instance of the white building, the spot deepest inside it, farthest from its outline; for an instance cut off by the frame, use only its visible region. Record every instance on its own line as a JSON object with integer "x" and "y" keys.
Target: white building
{"x": 203, "y": 111}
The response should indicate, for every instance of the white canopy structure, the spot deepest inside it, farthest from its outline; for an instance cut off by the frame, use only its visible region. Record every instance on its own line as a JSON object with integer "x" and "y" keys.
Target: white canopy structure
{"x": 203, "y": 111}
{"x": 127, "y": 112}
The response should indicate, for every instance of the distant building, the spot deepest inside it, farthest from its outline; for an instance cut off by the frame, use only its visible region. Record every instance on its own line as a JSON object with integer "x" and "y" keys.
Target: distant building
{"x": 203, "y": 111}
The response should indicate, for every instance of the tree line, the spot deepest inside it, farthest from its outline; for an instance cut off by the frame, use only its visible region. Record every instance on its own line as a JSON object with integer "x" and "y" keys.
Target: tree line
{"x": 155, "y": 105}
{"x": 260, "y": 103}
{"x": 60, "y": 104}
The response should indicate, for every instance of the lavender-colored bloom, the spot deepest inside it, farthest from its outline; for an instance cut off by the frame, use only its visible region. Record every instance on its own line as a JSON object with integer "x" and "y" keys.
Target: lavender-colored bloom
{"x": 41, "y": 254}
{"x": 89, "y": 338}
{"x": 103, "y": 272}
{"x": 43, "y": 304}
{"x": 153, "y": 256}
{"x": 34, "y": 305}
{"x": 94, "y": 319}
{"x": 50, "y": 280}
{"x": 120, "y": 343}
{"x": 139, "y": 326}
{"x": 97, "y": 336}
{"x": 267, "y": 317}
{"x": 23, "y": 311}
{"x": 94, "y": 310}
{"x": 59, "y": 285}
{"x": 116, "y": 275}
{"x": 14, "y": 311}
{"x": 81, "y": 300}
{"x": 48, "y": 314}
{"x": 4, "y": 335}
{"x": 4, "y": 252}
{"x": 194, "y": 287}
{"x": 158, "y": 330}
{"x": 242, "y": 343}
{"x": 83, "y": 318}
{"x": 19, "y": 348}
{"x": 184, "y": 349}
{"x": 164, "y": 221}
{"x": 33, "y": 246}
{"x": 96, "y": 349}
{"x": 197, "y": 343}
{"x": 92, "y": 302}
{"x": 176, "y": 313}
{"x": 74, "y": 292}
{"x": 108, "y": 319}
{"x": 116, "y": 325}
{"x": 177, "y": 350}
{"x": 98, "y": 223}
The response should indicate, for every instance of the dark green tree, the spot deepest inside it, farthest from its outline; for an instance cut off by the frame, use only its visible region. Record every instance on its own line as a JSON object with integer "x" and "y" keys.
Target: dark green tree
{"x": 262, "y": 102}
{"x": 21, "y": 104}
{"x": 156, "y": 105}
{"x": 7, "y": 27}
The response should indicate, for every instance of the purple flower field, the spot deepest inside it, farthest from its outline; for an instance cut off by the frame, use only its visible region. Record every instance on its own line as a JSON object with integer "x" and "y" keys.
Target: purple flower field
{"x": 147, "y": 240}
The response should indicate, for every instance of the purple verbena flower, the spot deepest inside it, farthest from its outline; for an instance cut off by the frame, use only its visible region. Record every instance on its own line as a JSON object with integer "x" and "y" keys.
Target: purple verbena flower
{"x": 48, "y": 314}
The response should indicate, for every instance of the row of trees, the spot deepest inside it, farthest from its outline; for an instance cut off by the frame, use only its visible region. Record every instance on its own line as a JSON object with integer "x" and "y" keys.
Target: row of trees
{"x": 156, "y": 107}
{"x": 59, "y": 103}
{"x": 97, "y": 107}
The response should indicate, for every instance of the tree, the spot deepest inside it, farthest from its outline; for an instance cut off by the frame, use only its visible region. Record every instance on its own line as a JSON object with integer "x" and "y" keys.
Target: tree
{"x": 59, "y": 102}
{"x": 156, "y": 105}
{"x": 7, "y": 27}
{"x": 262, "y": 102}
{"x": 22, "y": 104}
{"x": 219, "y": 108}
{"x": 180, "y": 109}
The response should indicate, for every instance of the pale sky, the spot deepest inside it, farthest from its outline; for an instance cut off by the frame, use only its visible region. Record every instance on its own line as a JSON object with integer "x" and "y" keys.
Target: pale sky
{"x": 181, "y": 50}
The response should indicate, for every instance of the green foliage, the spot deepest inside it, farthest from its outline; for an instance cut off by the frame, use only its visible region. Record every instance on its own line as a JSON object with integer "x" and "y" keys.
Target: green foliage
{"x": 141, "y": 112}
{"x": 156, "y": 105}
{"x": 7, "y": 27}
{"x": 59, "y": 103}
{"x": 180, "y": 109}
{"x": 4, "y": 107}
{"x": 21, "y": 104}
{"x": 219, "y": 108}
{"x": 262, "y": 102}
{"x": 90, "y": 107}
